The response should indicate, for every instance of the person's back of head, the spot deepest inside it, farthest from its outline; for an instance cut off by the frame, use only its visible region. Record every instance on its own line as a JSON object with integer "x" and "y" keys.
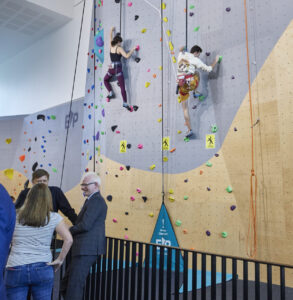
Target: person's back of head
{"x": 37, "y": 207}
{"x": 117, "y": 39}
{"x": 195, "y": 48}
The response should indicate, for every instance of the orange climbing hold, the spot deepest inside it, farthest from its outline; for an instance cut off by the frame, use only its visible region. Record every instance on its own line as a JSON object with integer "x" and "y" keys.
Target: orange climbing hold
{"x": 172, "y": 150}
{"x": 22, "y": 158}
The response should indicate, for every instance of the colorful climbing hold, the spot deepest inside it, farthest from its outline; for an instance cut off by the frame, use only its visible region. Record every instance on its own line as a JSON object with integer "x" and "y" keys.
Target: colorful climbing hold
{"x": 224, "y": 234}
{"x": 174, "y": 59}
{"x": 178, "y": 223}
{"x": 165, "y": 19}
{"x": 22, "y": 158}
{"x": 132, "y": 198}
{"x": 171, "y": 46}
{"x": 185, "y": 197}
{"x": 208, "y": 164}
{"x": 172, "y": 150}
{"x": 143, "y": 30}
{"x": 129, "y": 4}
{"x": 140, "y": 146}
{"x": 9, "y": 173}
{"x": 159, "y": 120}
{"x": 152, "y": 167}
{"x": 196, "y": 28}
{"x": 165, "y": 158}
{"x": 232, "y": 207}
{"x": 147, "y": 84}
{"x": 208, "y": 233}
{"x": 214, "y": 128}
{"x": 163, "y": 5}
{"x": 151, "y": 214}
{"x": 171, "y": 198}
{"x": 229, "y": 189}
{"x": 8, "y": 141}
{"x": 171, "y": 191}
{"x": 168, "y": 32}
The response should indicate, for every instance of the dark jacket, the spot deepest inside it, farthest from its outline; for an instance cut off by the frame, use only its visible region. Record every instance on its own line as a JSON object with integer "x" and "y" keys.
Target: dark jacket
{"x": 60, "y": 202}
{"x": 89, "y": 231}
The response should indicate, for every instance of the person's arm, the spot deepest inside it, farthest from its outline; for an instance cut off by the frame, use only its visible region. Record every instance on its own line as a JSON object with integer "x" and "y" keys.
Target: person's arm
{"x": 64, "y": 205}
{"x": 92, "y": 211}
{"x": 21, "y": 198}
{"x": 111, "y": 34}
{"x": 121, "y": 51}
{"x": 62, "y": 230}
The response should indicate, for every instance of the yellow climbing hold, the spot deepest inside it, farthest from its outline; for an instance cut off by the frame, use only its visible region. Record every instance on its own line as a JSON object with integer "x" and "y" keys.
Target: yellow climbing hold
{"x": 163, "y": 5}
{"x": 171, "y": 191}
{"x": 168, "y": 32}
{"x": 171, "y": 46}
{"x": 8, "y": 141}
{"x": 143, "y": 30}
{"x": 165, "y": 19}
{"x": 172, "y": 199}
{"x": 9, "y": 173}
{"x": 147, "y": 84}
{"x": 174, "y": 59}
{"x": 165, "y": 158}
{"x": 152, "y": 167}
{"x": 160, "y": 68}
{"x": 179, "y": 131}
{"x": 160, "y": 120}
{"x": 151, "y": 214}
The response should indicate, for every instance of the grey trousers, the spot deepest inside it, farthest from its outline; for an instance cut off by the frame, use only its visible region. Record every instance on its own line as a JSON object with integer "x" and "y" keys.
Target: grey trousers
{"x": 73, "y": 282}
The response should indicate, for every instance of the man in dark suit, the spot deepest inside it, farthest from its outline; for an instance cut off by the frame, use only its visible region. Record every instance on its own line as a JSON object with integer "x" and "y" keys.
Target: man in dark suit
{"x": 89, "y": 238}
{"x": 60, "y": 202}
{"x": 7, "y": 223}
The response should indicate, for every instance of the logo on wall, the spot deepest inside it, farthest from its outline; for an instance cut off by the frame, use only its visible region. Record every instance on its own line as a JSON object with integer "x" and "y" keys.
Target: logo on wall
{"x": 71, "y": 118}
{"x": 164, "y": 235}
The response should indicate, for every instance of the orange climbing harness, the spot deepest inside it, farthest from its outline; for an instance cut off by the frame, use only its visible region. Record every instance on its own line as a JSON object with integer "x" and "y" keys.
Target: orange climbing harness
{"x": 251, "y": 241}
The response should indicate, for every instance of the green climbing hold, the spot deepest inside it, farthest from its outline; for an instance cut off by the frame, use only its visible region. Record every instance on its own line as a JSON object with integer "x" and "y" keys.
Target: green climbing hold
{"x": 229, "y": 189}
{"x": 201, "y": 98}
{"x": 178, "y": 223}
{"x": 220, "y": 59}
{"x": 53, "y": 117}
{"x": 208, "y": 164}
{"x": 102, "y": 132}
{"x": 185, "y": 197}
{"x": 224, "y": 234}
{"x": 101, "y": 160}
{"x": 186, "y": 139}
{"x": 54, "y": 170}
{"x": 99, "y": 121}
{"x": 197, "y": 29}
{"x": 214, "y": 129}
{"x": 191, "y": 7}
{"x": 100, "y": 65}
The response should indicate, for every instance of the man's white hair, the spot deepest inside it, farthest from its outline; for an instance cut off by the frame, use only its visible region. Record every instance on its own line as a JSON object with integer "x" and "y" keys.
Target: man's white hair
{"x": 94, "y": 177}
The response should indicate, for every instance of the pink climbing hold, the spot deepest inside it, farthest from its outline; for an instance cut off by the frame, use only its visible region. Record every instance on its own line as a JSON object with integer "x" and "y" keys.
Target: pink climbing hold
{"x": 148, "y": 70}
{"x": 117, "y": 131}
{"x": 137, "y": 48}
{"x": 108, "y": 99}
{"x": 121, "y": 168}
{"x": 131, "y": 108}
{"x": 114, "y": 220}
{"x": 126, "y": 237}
{"x": 132, "y": 198}
{"x": 100, "y": 50}
{"x": 129, "y": 4}
{"x": 140, "y": 146}
{"x": 138, "y": 190}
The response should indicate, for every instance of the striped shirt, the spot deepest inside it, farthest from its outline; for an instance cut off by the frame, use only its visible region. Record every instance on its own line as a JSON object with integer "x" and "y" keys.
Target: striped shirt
{"x": 32, "y": 244}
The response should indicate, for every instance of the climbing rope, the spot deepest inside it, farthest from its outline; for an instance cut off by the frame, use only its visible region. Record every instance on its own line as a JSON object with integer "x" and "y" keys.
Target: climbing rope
{"x": 251, "y": 242}
{"x": 72, "y": 92}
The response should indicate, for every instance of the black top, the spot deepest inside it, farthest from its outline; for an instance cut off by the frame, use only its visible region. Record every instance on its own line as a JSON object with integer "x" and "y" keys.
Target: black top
{"x": 115, "y": 57}
{"x": 60, "y": 202}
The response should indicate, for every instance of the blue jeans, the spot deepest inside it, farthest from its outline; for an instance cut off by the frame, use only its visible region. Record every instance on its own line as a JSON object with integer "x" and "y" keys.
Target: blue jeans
{"x": 38, "y": 276}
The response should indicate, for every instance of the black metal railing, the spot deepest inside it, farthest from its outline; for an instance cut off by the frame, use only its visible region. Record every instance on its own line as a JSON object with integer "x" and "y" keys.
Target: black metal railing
{"x": 134, "y": 270}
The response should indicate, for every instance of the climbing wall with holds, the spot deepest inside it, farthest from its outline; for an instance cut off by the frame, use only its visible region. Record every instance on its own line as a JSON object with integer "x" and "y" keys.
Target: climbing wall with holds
{"x": 143, "y": 155}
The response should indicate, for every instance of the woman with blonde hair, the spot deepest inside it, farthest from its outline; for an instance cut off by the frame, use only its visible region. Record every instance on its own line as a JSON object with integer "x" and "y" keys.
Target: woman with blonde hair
{"x": 29, "y": 264}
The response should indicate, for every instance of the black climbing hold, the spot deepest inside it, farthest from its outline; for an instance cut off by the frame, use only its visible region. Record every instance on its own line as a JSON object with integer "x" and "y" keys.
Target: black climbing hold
{"x": 232, "y": 207}
{"x": 36, "y": 139}
{"x": 126, "y": 213}
{"x": 116, "y": 176}
{"x": 144, "y": 198}
{"x": 126, "y": 228}
{"x": 41, "y": 117}
{"x": 235, "y": 129}
{"x": 135, "y": 107}
{"x": 29, "y": 149}
{"x": 194, "y": 107}
{"x": 136, "y": 17}
{"x": 109, "y": 197}
{"x": 185, "y": 180}
{"x": 128, "y": 146}
{"x": 117, "y": 1}
{"x": 191, "y": 14}
{"x": 217, "y": 155}
{"x": 127, "y": 168}
{"x": 228, "y": 9}
{"x": 114, "y": 127}
{"x": 208, "y": 53}
{"x": 208, "y": 189}
{"x": 137, "y": 59}
{"x": 35, "y": 165}
{"x": 232, "y": 77}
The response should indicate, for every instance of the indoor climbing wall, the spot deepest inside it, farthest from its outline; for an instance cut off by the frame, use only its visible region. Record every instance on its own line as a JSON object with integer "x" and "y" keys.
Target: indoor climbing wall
{"x": 143, "y": 156}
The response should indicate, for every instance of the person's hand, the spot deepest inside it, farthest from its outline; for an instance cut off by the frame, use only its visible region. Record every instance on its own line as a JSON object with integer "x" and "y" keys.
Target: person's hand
{"x": 112, "y": 28}
{"x": 134, "y": 48}
{"x": 217, "y": 58}
{"x": 57, "y": 263}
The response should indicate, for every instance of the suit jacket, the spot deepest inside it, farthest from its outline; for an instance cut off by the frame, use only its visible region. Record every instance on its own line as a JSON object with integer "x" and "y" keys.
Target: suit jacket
{"x": 7, "y": 223}
{"x": 89, "y": 231}
{"x": 60, "y": 202}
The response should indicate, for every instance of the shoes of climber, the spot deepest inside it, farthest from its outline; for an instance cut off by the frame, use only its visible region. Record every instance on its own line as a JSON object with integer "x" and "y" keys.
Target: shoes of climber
{"x": 189, "y": 133}
{"x": 110, "y": 96}
{"x": 128, "y": 107}
{"x": 196, "y": 94}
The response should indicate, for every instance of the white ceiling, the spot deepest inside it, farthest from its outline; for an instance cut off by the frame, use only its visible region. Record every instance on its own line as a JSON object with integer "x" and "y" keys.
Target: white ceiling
{"x": 22, "y": 23}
